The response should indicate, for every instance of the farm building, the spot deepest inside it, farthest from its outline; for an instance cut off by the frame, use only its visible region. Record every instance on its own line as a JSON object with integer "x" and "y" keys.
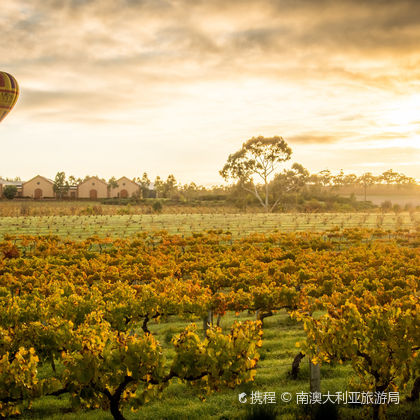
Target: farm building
{"x": 126, "y": 188}
{"x": 38, "y": 187}
{"x": 4, "y": 183}
{"x": 93, "y": 188}
{"x": 72, "y": 192}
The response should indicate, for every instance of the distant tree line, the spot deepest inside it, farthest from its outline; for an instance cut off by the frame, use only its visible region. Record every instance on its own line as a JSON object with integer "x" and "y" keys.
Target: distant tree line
{"x": 256, "y": 179}
{"x": 294, "y": 179}
{"x": 255, "y": 170}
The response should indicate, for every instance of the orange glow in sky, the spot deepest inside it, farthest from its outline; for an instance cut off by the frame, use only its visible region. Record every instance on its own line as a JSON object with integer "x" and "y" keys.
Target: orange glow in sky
{"x": 122, "y": 87}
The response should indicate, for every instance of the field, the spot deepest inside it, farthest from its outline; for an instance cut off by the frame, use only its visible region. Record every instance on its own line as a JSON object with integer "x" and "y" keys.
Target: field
{"x": 179, "y": 402}
{"x": 401, "y": 199}
{"x": 80, "y": 320}
{"x": 81, "y": 227}
{"x": 277, "y": 353}
{"x": 210, "y": 210}
{"x": 22, "y": 207}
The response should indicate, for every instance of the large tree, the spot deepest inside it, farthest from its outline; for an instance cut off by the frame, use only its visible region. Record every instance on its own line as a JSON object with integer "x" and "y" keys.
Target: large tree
{"x": 73, "y": 181}
{"x": 289, "y": 181}
{"x": 158, "y": 186}
{"x": 112, "y": 183}
{"x": 325, "y": 178}
{"x": 389, "y": 177}
{"x": 144, "y": 182}
{"x": 258, "y": 158}
{"x": 366, "y": 180}
{"x": 339, "y": 180}
{"x": 170, "y": 187}
{"x": 61, "y": 185}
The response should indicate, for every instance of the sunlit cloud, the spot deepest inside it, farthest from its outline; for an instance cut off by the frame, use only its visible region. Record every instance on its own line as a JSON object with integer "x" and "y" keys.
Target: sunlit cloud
{"x": 177, "y": 85}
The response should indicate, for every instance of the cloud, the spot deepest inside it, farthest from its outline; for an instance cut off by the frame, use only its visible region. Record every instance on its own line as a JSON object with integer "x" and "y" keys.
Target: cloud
{"x": 389, "y": 135}
{"x": 300, "y": 31}
{"x": 390, "y": 156}
{"x": 314, "y": 138}
{"x": 185, "y": 40}
{"x": 322, "y": 71}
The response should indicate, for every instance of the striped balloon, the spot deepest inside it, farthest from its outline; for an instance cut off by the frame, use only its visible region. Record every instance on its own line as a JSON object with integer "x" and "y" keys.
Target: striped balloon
{"x": 9, "y": 92}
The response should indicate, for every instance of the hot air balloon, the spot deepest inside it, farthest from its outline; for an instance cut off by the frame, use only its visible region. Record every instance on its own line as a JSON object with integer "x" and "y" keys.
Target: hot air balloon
{"x": 9, "y": 92}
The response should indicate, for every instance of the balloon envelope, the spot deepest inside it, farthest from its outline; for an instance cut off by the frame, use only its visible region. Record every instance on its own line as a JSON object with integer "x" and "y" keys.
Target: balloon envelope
{"x": 9, "y": 92}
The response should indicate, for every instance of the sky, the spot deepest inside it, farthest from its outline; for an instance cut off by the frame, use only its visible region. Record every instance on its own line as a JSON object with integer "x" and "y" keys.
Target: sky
{"x": 122, "y": 87}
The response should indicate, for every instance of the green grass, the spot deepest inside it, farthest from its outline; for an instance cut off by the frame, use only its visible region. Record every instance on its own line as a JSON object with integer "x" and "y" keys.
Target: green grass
{"x": 80, "y": 227}
{"x": 180, "y": 402}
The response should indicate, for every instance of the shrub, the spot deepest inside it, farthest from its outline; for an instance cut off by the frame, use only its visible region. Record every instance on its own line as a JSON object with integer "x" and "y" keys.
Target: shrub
{"x": 124, "y": 210}
{"x": 10, "y": 191}
{"x": 25, "y": 209}
{"x": 90, "y": 211}
{"x": 314, "y": 205}
{"x": 396, "y": 208}
{"x": 157, "y": 206}
{"x": 409, "y": 207}
{"x": 386, "y": 205}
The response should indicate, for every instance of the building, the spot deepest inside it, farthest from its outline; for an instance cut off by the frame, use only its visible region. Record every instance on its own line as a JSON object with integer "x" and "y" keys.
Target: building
{"x": 17, "y": 184}
{"x": 38, "y": 187}
{"x": 126, "y": 188}
{"x": 72, "y": 192}
{"x": 92, "y": 188}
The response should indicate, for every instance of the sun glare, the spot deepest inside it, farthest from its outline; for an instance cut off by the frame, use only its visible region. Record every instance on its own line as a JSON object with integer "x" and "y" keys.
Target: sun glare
{"x": 404, "y": 113}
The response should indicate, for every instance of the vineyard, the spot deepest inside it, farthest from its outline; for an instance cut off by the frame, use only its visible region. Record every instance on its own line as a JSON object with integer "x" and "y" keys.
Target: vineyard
{"x": 82, "y": 227}
{"x": 17, "y": 208}
{"x": 135, "y": 326}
